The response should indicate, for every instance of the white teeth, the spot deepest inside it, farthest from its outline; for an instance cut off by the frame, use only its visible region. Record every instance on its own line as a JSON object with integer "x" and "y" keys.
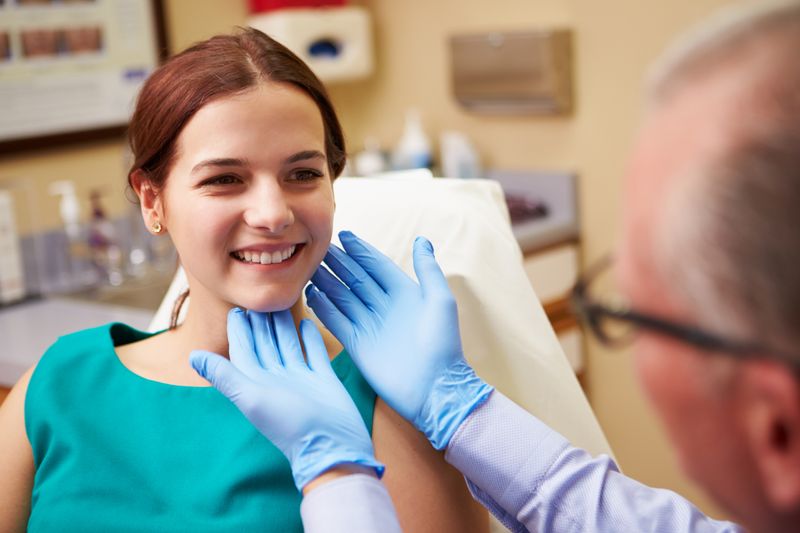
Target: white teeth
{"x": 266, "y": 258}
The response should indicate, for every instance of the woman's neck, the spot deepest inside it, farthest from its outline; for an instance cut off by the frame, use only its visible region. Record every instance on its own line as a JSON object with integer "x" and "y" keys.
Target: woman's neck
{"x": 205, "y": 327}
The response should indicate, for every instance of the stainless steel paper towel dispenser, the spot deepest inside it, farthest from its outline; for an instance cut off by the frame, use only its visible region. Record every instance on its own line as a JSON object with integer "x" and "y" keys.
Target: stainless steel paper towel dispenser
{"x": 519, "y": 72}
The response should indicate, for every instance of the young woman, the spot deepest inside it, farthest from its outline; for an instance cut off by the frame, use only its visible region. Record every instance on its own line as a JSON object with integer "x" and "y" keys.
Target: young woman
{"x": 236, "y": 146}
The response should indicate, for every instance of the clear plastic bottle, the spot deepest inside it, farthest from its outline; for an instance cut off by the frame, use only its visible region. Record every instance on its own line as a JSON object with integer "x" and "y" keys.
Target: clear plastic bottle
{"x": 414, "y": 148}
{"x": 370, "y": 161}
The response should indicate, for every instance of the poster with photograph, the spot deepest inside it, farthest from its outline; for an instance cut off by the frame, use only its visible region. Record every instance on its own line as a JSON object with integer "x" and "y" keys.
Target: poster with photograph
{"x": 69, "y": 66}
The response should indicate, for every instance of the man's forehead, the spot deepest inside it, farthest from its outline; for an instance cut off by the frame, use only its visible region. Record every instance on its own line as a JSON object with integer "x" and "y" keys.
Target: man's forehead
{"x": 678, "y": 141}
{"x": 703, "y": 118}
{"x": 685, "y": 135}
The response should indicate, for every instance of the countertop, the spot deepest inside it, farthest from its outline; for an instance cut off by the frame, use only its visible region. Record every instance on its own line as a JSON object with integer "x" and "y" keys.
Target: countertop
{"x": 555, "y": 190}
{"x": 27, "y": 329}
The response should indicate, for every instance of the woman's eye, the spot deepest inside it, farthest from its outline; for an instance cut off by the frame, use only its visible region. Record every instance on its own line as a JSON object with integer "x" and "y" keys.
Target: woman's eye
{"x": 306, "y": 174}
{"x": 225, "y": 179}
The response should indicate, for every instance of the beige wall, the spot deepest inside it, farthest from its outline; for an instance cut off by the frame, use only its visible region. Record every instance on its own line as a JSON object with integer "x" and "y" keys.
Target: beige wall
{"x": 615, "y": 40}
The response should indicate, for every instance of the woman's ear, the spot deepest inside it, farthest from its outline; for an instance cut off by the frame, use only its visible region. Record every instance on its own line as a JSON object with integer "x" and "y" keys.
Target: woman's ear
{"x": 772, "y": 427}
{"x": 149, "y": 201}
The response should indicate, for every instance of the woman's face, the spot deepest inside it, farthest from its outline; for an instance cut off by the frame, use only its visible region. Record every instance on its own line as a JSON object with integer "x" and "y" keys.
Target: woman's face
{"x": 249, "y": 200}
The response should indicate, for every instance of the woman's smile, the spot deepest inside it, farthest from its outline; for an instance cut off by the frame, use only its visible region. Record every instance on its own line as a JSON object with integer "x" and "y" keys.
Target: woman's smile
{"x": 272, "y": 256}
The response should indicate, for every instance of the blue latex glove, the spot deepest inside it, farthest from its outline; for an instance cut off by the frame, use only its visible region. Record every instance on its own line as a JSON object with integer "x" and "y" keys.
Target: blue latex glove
{"x": 403, "y": 336}
{"x": 301, "y": 407}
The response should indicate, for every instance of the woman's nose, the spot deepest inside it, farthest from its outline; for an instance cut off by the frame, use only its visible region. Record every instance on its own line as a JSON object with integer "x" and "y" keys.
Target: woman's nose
{"x": 269, "y": 209}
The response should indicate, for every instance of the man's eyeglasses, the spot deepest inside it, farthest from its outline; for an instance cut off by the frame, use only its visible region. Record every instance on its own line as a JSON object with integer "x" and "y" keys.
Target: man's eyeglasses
{"x": 615, "y": 324}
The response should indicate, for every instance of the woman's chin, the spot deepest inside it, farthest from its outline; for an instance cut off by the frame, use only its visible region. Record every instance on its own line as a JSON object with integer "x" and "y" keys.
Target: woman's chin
{"x": 270, "y": 304}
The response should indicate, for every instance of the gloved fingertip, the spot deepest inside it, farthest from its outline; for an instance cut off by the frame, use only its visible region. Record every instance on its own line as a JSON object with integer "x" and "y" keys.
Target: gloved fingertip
{"x": 334, "y": 253}
{"x": 423, "y": 244}
{"x": 314, "y": 277}
{"x": 309, "y": 327}
{"x": 347, "y": 235}
{"x": 199, "y": 361}
{"x": 312, "y": 291}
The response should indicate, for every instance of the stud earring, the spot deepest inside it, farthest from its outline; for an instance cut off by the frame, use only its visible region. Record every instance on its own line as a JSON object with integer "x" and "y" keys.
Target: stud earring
{"x": 157, "y": 227}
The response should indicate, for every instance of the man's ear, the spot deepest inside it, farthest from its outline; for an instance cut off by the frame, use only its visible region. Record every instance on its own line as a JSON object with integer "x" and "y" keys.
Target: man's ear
{"x": 772, "y": 427}
{"x": 149, "y": 200}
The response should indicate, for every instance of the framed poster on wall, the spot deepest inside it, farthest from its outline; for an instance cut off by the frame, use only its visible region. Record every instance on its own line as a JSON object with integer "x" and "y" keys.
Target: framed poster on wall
{"x": 70, "y": 69}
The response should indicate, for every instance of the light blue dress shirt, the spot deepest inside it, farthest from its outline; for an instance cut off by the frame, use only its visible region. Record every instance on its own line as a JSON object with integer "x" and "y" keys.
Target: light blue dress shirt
{"x": 529, "y": 477}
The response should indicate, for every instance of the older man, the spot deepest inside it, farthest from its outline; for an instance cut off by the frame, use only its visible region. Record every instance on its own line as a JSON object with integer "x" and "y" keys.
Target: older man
{"x": 712, "y": 239}
{"x": 709, "y": 274}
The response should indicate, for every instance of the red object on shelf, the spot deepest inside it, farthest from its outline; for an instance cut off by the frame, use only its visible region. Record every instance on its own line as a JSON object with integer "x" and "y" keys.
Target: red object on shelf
{"x": 259, "y": 6}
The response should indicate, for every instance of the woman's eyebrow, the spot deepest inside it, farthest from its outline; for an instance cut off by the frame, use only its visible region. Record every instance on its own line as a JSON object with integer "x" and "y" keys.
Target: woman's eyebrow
{"x": 305, "y": 155}
{"x": 219, "y": 162}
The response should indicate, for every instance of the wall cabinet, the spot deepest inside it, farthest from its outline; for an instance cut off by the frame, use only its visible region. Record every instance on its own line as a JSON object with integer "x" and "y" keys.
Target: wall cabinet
{"x": 553, "y": 272}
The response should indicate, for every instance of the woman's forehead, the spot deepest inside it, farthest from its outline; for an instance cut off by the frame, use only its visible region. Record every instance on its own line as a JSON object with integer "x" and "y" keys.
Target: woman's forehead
{"x": 271, "y": 120}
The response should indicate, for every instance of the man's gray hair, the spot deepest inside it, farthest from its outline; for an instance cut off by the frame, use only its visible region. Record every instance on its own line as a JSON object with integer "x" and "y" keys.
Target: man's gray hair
{"x": 734, "y": 249}
{"x": 719, "y": 41}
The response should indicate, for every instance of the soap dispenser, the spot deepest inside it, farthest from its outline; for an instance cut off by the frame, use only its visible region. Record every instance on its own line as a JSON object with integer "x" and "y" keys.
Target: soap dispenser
{"x": 68, "y": 207}
{"x": 414, "y": 148}
{"x": 105, "y": 253}
{"x": 72, "y": 270}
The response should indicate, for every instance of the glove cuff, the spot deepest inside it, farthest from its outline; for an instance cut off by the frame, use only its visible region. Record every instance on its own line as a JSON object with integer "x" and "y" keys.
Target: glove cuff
{"x": 453, "y": 397}
{"x": 313, "y": 464}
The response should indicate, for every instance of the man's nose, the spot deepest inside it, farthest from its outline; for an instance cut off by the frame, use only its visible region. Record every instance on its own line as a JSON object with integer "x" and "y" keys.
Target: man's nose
{"x": 269, "y": 208}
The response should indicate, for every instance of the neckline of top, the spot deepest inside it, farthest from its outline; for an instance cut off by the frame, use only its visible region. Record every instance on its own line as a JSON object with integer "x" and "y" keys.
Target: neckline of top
{"x": 117, "y": 331}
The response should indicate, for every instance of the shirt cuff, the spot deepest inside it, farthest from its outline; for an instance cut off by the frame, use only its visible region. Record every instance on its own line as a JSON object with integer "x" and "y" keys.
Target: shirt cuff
{"x": 354, "y": 504}
{"x": 504, "y": 450}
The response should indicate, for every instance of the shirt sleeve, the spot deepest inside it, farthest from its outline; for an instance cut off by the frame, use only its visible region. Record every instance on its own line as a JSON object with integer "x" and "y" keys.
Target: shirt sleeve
{"x": 532, "y": 479}
{"x": 357, "y": 503}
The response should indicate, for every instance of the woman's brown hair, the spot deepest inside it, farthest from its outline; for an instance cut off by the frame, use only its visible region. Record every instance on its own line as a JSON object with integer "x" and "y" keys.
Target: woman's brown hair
{"x": 221, "y": 66}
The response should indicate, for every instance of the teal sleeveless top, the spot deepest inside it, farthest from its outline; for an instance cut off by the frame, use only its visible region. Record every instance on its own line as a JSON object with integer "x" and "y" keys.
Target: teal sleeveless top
{"x": 118, "y": 452}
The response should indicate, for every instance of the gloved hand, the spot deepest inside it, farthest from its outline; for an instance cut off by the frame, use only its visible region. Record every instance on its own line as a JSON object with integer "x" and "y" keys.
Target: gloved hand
{"x": 403, "y": 336}
{"x": 301, "y": 407}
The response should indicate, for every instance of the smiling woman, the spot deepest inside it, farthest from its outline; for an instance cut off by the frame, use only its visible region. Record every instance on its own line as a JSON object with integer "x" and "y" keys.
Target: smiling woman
{"x": 250, "y": 178}
{"x": 236, "y": 147}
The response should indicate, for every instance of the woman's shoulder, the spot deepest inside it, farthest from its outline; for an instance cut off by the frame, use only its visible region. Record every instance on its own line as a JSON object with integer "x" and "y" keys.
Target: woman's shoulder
{"x": 74, "y": 345}
{"x": 77, "y": 369}
{"x": 12, "y": 410}
{"x": 71, "y": 355}
{"x": 17, "y": 467}
{"x": 14, "y": 402}
{"x": 104, "y": 337}
{"x": 83, "y": 339}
